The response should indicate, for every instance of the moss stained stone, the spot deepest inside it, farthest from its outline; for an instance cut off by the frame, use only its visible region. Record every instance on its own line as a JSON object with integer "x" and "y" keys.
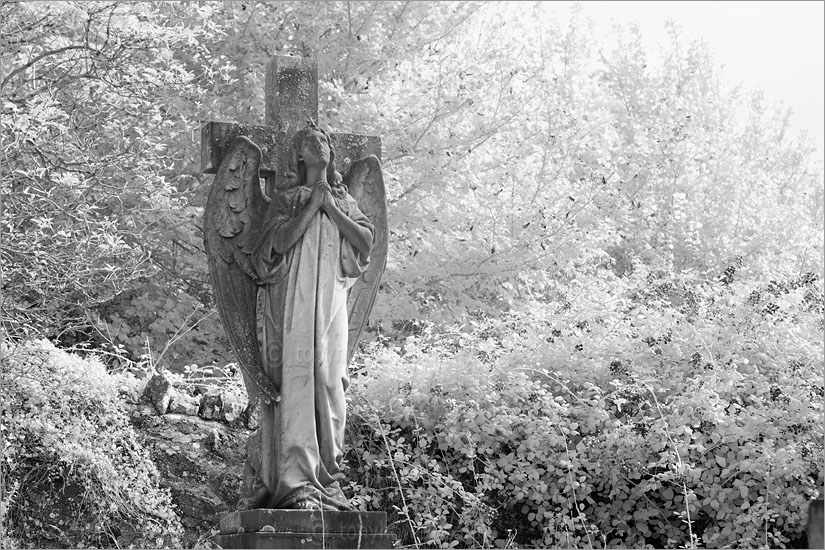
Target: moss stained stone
{"x": 264, "y": 528}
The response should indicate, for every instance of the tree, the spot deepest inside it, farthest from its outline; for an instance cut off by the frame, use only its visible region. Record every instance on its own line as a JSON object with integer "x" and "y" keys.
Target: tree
{"x": 518, "y": 154}
{"x": 82, "y": 112}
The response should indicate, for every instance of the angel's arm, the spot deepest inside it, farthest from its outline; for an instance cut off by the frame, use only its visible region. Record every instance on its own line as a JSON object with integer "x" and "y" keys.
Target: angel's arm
{"x": 358, "y": 235}
{"x": 290, "y": 232}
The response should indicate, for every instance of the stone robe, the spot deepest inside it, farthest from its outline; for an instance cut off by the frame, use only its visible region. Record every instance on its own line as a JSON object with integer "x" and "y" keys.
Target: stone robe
{"x": 302, "y": 332}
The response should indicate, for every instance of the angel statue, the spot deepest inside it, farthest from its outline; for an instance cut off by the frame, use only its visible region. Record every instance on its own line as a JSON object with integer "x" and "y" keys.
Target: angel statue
{"x": 295, "y": 276}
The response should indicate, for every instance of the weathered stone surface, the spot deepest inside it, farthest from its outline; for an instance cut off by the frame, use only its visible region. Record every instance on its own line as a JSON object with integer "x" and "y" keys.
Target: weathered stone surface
{"x": 351, "y": 147}
{"x": 252, "y": 415}
{"x": 816, "y": 524}
{"x": 233, "y": 408}
{"x": 234, "y": 207}
{"x": 184, "y": 404}
{"x": 216, "y": 137}
{"x": 159, "y": 392}
{"x": 266, "y": 528}
{"x": 211, "y": 406}
{"x": 290, "y": 99}
{"x": 302, "y": 540}
{"x": 291, "y": 92}
{"x": 304, "y": 521}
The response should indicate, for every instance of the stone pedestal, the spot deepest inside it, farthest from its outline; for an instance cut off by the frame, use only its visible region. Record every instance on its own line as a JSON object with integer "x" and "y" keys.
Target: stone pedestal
{"x": 816, "y": 524}
{"x": 265, "y": 528}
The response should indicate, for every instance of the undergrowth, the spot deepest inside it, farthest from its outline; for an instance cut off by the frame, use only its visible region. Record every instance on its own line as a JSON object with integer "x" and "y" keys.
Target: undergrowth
{"x": 74, "y": 473}
{"x": 653, "y": 411}
{"x": 682, "y": 414}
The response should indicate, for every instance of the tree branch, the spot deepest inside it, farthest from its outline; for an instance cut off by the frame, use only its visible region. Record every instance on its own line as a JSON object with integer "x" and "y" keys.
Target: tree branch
{"x": 40, "y": 57}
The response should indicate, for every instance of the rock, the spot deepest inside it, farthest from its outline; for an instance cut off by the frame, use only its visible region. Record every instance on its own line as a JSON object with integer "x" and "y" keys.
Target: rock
{"x": 142, "y": 410}
{"x": 159, "y": 392}
{"x": 200, "y": 461}
{"x": 215, "y": 439}
{"x": 233, "y": 408}
{"x": 211, "y": 406}
{"x": 252, "y": 415}
{"x": 215, "y": 405}
{"x": 184, "y": 404}
{"x": 143, "y": 415}
{"x": 128, "y": 393}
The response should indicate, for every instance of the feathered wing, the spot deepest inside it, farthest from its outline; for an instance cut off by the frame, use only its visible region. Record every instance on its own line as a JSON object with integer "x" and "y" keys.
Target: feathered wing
{"x": 366, "y": 184}
{"x": 230, "y": 221}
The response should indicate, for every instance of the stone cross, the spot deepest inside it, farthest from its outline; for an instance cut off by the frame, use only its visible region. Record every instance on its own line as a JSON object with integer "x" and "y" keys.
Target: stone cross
{"x": 291, "y": 98}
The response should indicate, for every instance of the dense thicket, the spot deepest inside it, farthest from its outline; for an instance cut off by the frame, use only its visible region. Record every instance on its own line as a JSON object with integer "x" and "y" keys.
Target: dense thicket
{"x": 586, "y": 201}
{"x": 656, "y": 415}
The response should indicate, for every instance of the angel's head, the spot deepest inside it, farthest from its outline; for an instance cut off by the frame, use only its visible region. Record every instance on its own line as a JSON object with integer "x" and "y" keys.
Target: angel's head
{"x": 311, "y": 145}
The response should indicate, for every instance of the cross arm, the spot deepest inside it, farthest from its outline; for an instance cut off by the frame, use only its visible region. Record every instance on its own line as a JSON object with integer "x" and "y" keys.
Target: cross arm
{"x": 216, "y": 137}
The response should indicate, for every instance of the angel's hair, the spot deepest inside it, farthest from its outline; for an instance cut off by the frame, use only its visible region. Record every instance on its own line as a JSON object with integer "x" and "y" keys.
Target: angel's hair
{"x": 296, "y": 170}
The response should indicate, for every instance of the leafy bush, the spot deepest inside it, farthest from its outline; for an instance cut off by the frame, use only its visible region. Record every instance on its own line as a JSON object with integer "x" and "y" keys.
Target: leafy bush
{"x": 676, "y": 412}
{"x": 83, "y": 176}
{"x": 75, "y": 472}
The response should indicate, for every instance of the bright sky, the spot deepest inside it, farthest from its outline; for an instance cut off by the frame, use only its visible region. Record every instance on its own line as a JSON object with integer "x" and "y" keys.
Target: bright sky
{"x": 775, "y": 46}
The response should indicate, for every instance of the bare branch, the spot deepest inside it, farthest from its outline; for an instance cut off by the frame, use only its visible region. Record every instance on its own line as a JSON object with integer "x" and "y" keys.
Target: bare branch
{"x": 40, "y": 57}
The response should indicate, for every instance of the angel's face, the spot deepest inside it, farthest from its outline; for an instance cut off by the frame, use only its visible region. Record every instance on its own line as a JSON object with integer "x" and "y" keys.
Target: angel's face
{"x": 314, "y": 149}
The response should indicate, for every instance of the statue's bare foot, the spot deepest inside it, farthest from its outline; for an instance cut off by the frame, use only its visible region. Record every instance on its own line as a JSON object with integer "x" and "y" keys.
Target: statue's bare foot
{"x": 309, "y": 498}
{"x": 308, "y": 505}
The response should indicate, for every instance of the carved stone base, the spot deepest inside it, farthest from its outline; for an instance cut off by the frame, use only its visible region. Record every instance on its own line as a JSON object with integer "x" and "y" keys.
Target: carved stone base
{"x": 265, "y": 528}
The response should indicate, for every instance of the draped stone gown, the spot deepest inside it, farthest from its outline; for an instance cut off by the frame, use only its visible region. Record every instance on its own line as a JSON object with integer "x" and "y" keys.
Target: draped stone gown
{"x": 302, "y": 331}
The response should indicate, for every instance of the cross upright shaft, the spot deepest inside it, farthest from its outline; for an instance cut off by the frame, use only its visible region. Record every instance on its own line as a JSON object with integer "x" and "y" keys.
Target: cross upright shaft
{"x": 291, "y": 91}
{"x": 291, "y": 98}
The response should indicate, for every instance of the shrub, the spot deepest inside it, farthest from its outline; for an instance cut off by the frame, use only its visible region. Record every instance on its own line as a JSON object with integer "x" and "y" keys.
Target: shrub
{"x": 668, "y": 412}
{"x": 79, "y": 474}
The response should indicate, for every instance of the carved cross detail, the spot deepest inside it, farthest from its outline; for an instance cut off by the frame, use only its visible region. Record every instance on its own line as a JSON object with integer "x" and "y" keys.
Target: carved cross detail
{"x": 291, "y": 98}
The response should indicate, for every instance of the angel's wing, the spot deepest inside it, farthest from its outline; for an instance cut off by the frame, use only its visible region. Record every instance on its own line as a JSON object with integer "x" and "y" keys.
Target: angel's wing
{"x": 231, "y": 217}
{"x": 365, "y": 183}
